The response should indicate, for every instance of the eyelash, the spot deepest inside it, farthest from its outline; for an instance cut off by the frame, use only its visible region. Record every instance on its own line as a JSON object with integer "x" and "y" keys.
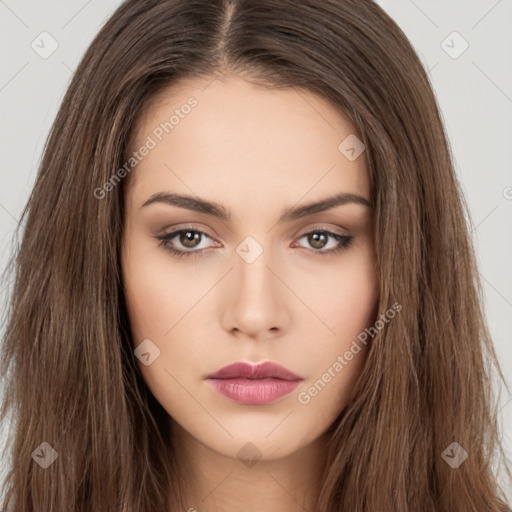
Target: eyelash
{"x": 344, "y": 241}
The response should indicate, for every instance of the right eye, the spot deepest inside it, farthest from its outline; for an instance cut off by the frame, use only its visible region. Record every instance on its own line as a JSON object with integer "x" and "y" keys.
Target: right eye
{"x": 188, "y": 239}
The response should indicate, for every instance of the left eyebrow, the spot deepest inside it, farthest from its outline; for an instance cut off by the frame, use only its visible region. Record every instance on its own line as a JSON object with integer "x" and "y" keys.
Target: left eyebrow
{"x": 219, "y": 211}
{"x": 324, "y": 204}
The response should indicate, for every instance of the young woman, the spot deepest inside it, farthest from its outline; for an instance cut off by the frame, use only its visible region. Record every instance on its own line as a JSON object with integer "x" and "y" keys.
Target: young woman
{"x": 245, "y": 280}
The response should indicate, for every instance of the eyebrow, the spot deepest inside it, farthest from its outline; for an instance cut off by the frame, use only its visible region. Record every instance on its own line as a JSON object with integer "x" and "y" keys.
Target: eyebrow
{"x": 219, "y": 211}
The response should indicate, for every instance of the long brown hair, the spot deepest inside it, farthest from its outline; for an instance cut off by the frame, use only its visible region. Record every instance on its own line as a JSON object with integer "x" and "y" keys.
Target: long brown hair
{"x": 71, "y": 378}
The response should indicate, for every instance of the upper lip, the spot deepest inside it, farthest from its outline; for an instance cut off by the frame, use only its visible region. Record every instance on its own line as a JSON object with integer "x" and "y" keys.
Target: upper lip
{"x": 263, "y": 370}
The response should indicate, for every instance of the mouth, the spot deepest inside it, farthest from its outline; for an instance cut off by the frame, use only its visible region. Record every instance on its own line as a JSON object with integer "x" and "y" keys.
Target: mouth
{"x": 251, "y": 384}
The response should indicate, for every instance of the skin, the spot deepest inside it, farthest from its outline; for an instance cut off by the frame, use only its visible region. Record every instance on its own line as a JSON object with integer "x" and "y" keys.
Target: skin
{"x": 258, "y": 152}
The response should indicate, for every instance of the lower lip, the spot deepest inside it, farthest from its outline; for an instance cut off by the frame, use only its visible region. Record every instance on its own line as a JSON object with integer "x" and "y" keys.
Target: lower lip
{"x": 254, "y": 391}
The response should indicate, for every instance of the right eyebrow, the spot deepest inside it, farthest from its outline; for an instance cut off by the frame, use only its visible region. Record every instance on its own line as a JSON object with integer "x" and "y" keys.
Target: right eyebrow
{"x": 190, "y": 203}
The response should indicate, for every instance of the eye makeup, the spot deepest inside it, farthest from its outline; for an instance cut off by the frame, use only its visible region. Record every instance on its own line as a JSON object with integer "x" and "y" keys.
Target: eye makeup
{"x": 314, "y": 235}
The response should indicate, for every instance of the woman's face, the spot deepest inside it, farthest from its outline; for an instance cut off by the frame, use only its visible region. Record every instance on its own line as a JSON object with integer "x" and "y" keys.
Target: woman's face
{"x": 251, "y": 282}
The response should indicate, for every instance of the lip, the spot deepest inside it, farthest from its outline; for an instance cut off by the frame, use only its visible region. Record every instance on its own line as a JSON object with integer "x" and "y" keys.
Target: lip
{"x": 264, "y": 370}
{"x": 254, "y": 384}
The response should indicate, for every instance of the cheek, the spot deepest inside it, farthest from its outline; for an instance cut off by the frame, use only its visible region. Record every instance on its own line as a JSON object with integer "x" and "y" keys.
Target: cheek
{"x": 343, "y": 295}
{"x": 157, "y": 300}
{"x": 158, "y": 295}
{"x": 355, "y": 301}
{"x": 163, "y": 305}
{"x": 349, "y": 307}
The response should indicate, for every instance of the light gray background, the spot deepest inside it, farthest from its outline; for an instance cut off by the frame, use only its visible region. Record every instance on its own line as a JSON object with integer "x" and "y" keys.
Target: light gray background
{"x": 474, "y": 91}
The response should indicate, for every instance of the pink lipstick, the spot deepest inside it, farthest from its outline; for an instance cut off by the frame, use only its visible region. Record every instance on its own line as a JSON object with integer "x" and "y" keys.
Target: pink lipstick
{"x": 252, "y": 384}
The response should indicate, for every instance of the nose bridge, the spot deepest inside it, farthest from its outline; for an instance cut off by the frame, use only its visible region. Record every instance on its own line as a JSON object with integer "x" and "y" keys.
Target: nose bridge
{"x": 257, "y": 302}
{"x": 254, "y": 279}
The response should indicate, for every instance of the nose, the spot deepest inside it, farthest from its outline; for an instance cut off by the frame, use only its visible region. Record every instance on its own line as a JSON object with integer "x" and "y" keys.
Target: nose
{"x": 257, "y": 299}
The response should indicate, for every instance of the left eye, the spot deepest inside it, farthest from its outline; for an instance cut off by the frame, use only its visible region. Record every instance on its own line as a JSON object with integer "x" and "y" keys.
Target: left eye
{"x": 190, "y": 239}
{"x": 317, "y": 239}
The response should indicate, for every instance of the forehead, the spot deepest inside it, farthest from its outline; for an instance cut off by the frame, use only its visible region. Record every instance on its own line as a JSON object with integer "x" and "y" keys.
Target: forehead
{"x": 238, "y": 141}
